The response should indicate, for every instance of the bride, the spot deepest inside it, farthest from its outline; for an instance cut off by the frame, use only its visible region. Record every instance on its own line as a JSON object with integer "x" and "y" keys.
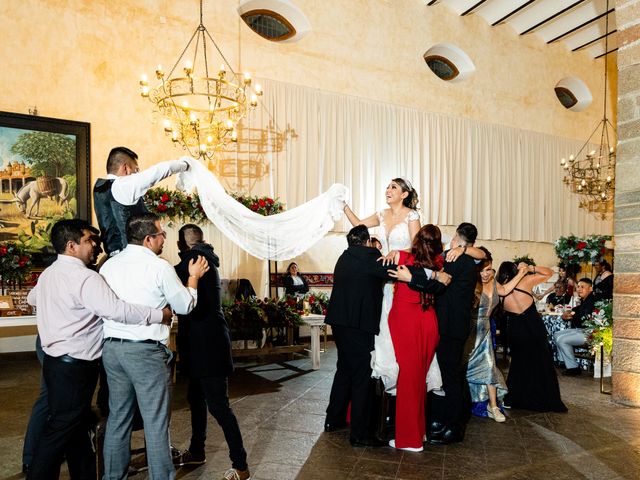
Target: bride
{"x": 398, "y": 225}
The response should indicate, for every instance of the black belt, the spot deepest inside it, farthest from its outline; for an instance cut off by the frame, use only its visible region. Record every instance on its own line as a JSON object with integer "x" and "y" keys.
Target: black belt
{"x": 127, "y": 340}
{"x": 69, "y": 359}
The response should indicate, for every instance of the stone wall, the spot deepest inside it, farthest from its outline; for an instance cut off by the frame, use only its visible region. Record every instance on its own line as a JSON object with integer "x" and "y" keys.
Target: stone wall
{"x": 626, "y": 333}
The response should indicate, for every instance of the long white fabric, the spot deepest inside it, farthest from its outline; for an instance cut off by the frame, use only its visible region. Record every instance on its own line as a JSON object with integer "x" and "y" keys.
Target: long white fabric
{"x": 274, "y": 237}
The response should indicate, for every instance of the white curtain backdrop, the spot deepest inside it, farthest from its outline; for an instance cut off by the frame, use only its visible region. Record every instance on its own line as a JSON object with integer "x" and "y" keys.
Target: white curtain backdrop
{"x": 506, "y": 181}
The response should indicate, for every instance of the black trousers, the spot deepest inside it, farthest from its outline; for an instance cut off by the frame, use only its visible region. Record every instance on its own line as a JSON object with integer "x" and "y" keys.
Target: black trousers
{"x": 66, "y": 433}
{"x": 212, "y": 393}
{"x": 451, "y": 409}
{"x": 352, "y": 380}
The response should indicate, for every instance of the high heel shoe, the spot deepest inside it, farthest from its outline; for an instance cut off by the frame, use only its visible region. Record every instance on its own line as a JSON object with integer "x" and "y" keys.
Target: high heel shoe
{"x": 496, "y": 414}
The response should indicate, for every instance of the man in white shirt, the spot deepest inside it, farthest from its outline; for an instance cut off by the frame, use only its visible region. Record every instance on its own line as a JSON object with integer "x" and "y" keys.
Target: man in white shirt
{"x": 135, "y": 359}
{"x": 120, "y": 195}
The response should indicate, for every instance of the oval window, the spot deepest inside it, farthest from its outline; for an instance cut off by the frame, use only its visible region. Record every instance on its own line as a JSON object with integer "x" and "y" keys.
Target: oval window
{"x": 448, "y": 62}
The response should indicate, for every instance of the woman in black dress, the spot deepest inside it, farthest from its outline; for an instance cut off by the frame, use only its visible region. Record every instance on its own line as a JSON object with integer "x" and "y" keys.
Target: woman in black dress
{"x": 532, "y": 380}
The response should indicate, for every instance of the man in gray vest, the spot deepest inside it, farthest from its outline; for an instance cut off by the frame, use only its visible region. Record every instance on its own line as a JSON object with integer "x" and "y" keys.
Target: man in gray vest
{"x": 120, "y": 195}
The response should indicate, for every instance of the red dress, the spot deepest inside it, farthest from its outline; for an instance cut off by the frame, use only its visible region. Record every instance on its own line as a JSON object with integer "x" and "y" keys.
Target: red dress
{"x": 414, "y": 333}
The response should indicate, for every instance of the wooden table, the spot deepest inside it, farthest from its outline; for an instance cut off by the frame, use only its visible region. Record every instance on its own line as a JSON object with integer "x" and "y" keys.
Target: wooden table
{"x": 315, "y": 322}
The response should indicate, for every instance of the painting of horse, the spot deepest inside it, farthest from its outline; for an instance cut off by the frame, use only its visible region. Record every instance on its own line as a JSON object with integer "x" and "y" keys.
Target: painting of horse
{"x": 57, "y": 190}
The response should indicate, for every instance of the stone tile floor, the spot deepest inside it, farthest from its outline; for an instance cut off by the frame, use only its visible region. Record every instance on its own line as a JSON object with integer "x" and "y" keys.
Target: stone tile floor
{"x": 280, "y": 405}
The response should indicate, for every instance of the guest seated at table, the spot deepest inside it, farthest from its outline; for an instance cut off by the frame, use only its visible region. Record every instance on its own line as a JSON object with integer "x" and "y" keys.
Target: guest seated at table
{"x": 603, "y": 283}
{"x": 575, "y": 336}
{"x": 560, "y": 296}
{"x": 295, "y": 284}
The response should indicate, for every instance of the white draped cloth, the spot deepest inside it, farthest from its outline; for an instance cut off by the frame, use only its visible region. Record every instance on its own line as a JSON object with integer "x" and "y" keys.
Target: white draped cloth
{"x": 274, "y": 237}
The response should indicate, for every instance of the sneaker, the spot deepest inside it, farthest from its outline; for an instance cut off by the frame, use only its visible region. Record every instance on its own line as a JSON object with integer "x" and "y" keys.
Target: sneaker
{"x": 392, "y": 444}
{"x": 189, "y": 458}
{"x": 233, "y": 474}
{"x": 496, "y": 414}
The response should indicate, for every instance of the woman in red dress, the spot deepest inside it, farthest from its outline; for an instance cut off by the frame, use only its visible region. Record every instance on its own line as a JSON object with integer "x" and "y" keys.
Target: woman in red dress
{"x": 414, "y": 332}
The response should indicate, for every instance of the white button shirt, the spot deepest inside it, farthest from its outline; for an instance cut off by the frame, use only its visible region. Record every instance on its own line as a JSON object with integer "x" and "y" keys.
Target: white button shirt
{"x": 138, "y": 275}
{"x": 128, "y": 189}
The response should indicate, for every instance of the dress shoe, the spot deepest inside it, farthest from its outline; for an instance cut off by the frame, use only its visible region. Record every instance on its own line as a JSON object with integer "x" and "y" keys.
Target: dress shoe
{"x": 495, "y": 414}
{"x": 392, "y": 444}
{"x": 25, "y": 468}
{"x": 436, "y": 428}
{"x": 366, "y": 442}
{"x": 446, "y": 437}
{"x": 334, "y": 426}
{"x": 572, "y": 372}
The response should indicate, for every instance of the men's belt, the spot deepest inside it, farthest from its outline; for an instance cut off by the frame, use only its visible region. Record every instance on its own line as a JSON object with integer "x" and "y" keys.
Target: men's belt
{"x": 127, "y": 340}
{"x": 69, "y": 359}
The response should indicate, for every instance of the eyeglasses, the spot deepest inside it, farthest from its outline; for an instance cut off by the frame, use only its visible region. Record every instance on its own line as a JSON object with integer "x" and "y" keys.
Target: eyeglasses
{"x": 162, "y": 233}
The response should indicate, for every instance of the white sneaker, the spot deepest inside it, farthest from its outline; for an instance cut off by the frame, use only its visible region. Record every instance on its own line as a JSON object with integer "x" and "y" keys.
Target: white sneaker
{"x": 496, "y": 414}
{"x": 392, "y": 444}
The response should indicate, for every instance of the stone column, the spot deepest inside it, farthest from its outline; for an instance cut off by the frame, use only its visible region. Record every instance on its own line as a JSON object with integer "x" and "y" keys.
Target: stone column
{"x": 626, "y": 307}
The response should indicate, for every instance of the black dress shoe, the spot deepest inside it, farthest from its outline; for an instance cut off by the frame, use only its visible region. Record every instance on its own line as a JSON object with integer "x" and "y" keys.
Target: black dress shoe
{"x": 572, "y": 372}
{"x": 436, "y": 428}
{"x": 447, "y": 436}
{"x": 334, "y": 426}
{"x": 366, "y": 442}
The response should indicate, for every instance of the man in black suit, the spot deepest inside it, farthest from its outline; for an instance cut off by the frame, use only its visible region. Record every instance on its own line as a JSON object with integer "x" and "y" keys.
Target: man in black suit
{"x": 354, "y": 316}
{"x": 204, "y": 345}
{"x": 453, "y": 308}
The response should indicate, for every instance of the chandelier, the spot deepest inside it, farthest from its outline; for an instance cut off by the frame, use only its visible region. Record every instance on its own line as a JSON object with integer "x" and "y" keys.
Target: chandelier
{"x": 201, "y": 111}
{"x": 590, "y": 173}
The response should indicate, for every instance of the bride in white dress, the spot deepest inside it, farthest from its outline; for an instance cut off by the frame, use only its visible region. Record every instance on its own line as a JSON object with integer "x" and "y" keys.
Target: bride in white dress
{"x": 398, "y": 225}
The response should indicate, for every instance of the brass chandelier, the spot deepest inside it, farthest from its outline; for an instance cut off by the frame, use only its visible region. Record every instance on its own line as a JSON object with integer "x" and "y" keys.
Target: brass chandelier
{"x": 591, "y": 172}
{"x": 201, "y": 111}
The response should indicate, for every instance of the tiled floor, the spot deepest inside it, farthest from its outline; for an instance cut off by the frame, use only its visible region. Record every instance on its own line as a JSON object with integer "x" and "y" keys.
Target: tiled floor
{"x": 280, "y": 406}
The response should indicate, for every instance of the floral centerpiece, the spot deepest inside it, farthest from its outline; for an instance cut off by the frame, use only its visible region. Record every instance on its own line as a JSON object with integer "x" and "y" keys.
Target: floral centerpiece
{"x": 574, "y": 251}
{"x": 261, "y": 205}
{"x": 318, "y": 302}
{"x": 248, "y": 317}
{"x": 15, "y": 262}
{"x": 175, "y": 205}
{"x": 599, "y": 327}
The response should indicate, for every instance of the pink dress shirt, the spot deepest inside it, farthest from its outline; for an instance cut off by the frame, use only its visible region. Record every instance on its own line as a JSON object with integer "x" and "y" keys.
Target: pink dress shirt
{"x": 71, "y": 301}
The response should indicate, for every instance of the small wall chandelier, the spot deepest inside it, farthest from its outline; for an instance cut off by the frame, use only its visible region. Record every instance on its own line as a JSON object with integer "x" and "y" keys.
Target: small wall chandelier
{"x": 591, "y": 172}
{"x": 201, "y": 111}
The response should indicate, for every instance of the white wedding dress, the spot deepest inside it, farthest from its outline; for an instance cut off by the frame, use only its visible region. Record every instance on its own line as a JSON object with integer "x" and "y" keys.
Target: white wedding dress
{"x": 383, "y": 358}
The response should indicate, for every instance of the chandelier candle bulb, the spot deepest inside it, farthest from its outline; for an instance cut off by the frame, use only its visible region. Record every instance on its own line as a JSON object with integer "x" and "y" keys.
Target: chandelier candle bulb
{"x": 167, "y": 125}
{"x": 234, "y": 136}
{"x": 258, "y": 89}
{"x": 247, "y": 78}
{"x": 254, "y": 100}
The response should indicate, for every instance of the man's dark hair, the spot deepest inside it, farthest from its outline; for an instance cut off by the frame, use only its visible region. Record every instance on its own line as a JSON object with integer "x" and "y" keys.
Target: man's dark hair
{"x": 141, "y": 225}
{"x": 586, "y": 280}
{"x": 358, "y": 235}
{"x": 67, "y": 230}
{"x": 190, "y": 235}
{"x": 118, "y": 156}
{"x": 467, "y": 233}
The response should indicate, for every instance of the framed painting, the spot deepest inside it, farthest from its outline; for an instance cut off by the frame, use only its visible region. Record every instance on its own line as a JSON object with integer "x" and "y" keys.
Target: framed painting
{"x": 44, "y": 176}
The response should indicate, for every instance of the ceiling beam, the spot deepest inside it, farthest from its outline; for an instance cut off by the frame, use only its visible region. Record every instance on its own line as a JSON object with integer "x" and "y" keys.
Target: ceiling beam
{"x": 582, "y": 25}
{"x": 594, "y": 40}
{"x": 606, "y": 53}
{"x": 555, "y": 15}
{"x": 526, "y": 4}
{"x": 432, "y": 2}
{"x": 471, "y": 9}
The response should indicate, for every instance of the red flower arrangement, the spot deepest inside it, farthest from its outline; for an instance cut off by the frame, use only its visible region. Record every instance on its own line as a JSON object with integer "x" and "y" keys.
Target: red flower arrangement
{"x": 15, "y": 262}
{"x": 175, "y": 205}
{"x": 262, "y": 205}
